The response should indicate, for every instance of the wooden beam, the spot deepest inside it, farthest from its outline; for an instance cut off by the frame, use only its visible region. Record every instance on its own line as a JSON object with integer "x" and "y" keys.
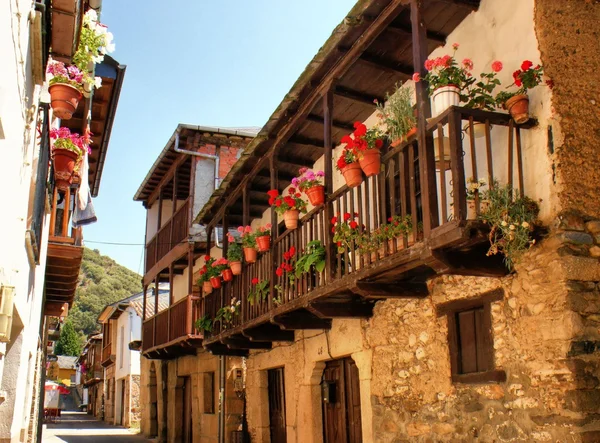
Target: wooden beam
{"x": 345, "y": 126}
{"x": 357, "y": 96}
{"x": 470, "y": 4}
{"x": 283, "y": 176}
{"x": 166, "y": 178}
{"x": 306, "y": 141}
{"x": 221, "y": 349}
{"x": 348, "y": 309}
{"x": 406, "y": 31}
{"x": 268, "y": 332}
{"x": 401, "y": 289}
{"x": 470, "y": 303}
{"x": 301, "y": 319}
{"x": 295, "y": 162}
{"x": 387, "y": 65}
{"x": 244, "y": 343}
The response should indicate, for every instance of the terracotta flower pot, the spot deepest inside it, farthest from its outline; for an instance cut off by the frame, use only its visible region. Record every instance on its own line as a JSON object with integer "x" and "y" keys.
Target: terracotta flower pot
{"x": 207, "y": 287}
{"x": 263, "y": 243}
{"x": 353, "y": 175}
{"x": 215, "y": 282}
{"x": 250, "y": 255}
{"x": 316, "y": 195}
{"x": 518, "y": 106}
{"x": 290, "y": 219}
{"x": 64, "y": 164}
{"x": 370, "y": 162}
{"x": 227, "y": 275}
{"x": 236, "y": 267}
{"x": 64, "y": 100}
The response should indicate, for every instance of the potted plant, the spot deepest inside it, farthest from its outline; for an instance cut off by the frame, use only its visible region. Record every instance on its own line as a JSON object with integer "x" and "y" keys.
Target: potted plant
{"x": 348, "y": 165}
{"x": 286, "y": 265}
{"x": 346, "y": 231}
{"x": 95, "y": 41}
{"x": 259, "y": 291}
{"x": 225, "y": 314}
{"x": 290, "y": 206}
{"x": 517, "y": 102}
{"x": 65, "y": 88}
{"x": 475, "y": 189}
{"x": 248, "y": 243}
{"x": 213, "y": 271}
{"x": 67, "y": 149}
{"x": 313, "y": 258}
{"x": 511, "y": 219}
{"x": 311, "y": 183}
{"x": 204, "y": 280}
{"x": 446, "y": 79}
{"x": 221, "y": 267}
{"x": 398, "y": 115}
{"x": 366, "y": 144}
{"x": 396, "y": 229}
{"x": 204, "y": 323}
{"x": 263, "y": 237}
{"x": 480, "y": 95}
{"x": 234, "y": 255}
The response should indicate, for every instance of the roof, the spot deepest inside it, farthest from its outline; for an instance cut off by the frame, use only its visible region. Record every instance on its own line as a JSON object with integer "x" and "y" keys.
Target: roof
{"x": 66, "y": 362}
{"x": 367, "y": 54}
{"x": 191, "y": 137}
{"x": 136, "y": 301}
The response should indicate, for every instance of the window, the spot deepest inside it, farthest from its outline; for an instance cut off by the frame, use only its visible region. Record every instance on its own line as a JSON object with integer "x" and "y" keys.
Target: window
{"x": 121, "y": 346}
{"x": 209, "y": 392}
{"x": 470, "y": 338}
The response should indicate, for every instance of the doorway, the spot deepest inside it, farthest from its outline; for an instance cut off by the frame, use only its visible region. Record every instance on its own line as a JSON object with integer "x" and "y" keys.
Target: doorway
{"x": 122, "y": 411}
{"x": 340, "y": 397}
{"x": 187, "y": 410}
{"x": 276, "y": 388}
{"x": 153, "y": 388}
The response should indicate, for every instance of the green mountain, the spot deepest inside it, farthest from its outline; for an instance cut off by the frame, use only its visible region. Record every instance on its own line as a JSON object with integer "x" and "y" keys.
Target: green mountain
{"x": 102, "y": 282}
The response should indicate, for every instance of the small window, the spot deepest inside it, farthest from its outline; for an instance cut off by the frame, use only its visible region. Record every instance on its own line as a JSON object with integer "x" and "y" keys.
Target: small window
{"x": 209, "y": 392}
{"x": 470, "y": 339}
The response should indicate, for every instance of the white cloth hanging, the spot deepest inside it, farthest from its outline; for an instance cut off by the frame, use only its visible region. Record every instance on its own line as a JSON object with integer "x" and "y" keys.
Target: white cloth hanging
{"x": 84, "y": 186}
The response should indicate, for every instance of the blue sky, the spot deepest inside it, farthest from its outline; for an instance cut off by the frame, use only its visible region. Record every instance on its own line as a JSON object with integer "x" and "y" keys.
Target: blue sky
{"x": 214, "y": 63}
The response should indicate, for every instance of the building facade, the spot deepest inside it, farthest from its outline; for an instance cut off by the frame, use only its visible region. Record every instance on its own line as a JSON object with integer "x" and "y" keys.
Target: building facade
{"x": 428, "y": 338}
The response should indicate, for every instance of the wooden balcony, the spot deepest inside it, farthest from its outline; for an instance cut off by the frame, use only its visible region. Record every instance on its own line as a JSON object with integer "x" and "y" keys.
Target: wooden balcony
{"x": 65, "y": 252}
{"x": 108, "y": 355}
{"x": 170, "y": 241}
{"x": 171, "y": 333}
{"x": 452, "y": 240}
{"x": 94, "y": 374}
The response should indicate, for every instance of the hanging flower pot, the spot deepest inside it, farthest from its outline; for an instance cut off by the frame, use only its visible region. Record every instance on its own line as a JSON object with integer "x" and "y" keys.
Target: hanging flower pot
{"x": 264, "y": 243}
{"x": 64, "y": 100}
{"x": 236, "y": 267}
{"x": 370, "y": 162}
{"x": 352, "y": 174}
{"x": 207, "y": 287}
{"x": 518, "y": 106}
{"x": 250, "y": 255}
{"x": 227, "y": 275}
{"x": 64, "y": 164}
{"x": 291, "y": 218}
{"x": 215, "y": 282}
{"x": 316, "y": 195}
{"x": 444, "y": 97}
{"x": 442, "y": 162}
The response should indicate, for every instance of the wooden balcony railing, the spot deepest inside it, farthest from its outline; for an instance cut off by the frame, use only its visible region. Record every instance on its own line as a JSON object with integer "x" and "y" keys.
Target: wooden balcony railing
{"x": 170, "y": 235}
{"x": 173, "y": 324}
{"x": 63, "y": 204}
{"x": 107, "y": 353}
{"x": 398, "y": 190}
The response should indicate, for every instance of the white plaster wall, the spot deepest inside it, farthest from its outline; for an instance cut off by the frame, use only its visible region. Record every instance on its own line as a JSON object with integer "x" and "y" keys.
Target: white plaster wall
{"x": 130, "y": 363}
{"x": 152, "y": 216}
{"x": 18, "y": 166}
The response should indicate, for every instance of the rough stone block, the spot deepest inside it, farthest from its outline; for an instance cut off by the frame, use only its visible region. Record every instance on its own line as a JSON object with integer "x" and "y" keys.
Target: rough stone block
{"x": 593, "y": 226}
{"x": 583, "y": 400}
{"x": 582, "y": 268}
{"x": 417, "y": 428}
{"x": 576, "y": 237}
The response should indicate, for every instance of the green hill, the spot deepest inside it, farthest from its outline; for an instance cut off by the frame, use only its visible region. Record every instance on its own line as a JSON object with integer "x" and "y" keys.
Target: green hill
{"x": 102, "y": 281}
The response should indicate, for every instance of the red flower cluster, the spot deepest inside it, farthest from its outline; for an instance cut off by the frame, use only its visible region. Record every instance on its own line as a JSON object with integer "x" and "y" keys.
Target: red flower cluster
{"x": 286, "y": 266}
{"x": 255, "y": 281}
{"x": 284, "y": 203}
{"x": 528, "y": 76}
{"x": 358, "y": 142}
{"x": 348, "y": 218}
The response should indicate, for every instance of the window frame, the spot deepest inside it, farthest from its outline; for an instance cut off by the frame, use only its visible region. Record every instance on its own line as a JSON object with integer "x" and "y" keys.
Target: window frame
{"x": 451, "y": 310}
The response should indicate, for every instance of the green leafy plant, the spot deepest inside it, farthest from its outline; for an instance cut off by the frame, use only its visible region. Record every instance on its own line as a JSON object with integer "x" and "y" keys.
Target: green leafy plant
{"x": 511, "y": 219}
{"x": 234, "y": 250}
{"x": 528, "y": 77}
{"x": 480, "y": 93}
{"x": 475, "y": 187}
{"x": 94, "y": 42}
{"x": 292, "y": 201}
{"x": 278, "y": 301}
{"x": 226, "y": 314}
{"x": 313, "y": 257}
{"x": 346, "y": 231}
{"x": 259, "y": 291}
{"x": 397, "y": 113}
{"x": 204, "y": 323}
{"x": 248, "y": 237}
{"x": 446, "y": 71}
{"x": 263, "y": 231}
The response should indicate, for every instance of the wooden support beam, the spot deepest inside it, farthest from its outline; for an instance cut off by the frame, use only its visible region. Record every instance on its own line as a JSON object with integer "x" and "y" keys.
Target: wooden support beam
{"x": 166, "y": 178}
{"x": 406, "y": 31}
{"x": 306, "y": 141}
{"x": 221, "y": 349}
{"x": 328, "y": 147}
{"x": 383, "y": 64}
{"x": 283, "y": 176}
{"x": 244, "y": 343}
{"x": 301, "y": 319}
{"x": 358, "y": 96}
{"x": 470, "y": 4}
{"x": 295, "y": 162}
{"x": 401, "y": 289}
{"x": 268, "y": 332}
{"x": 347, "y": 309}
{"x": 345, "y": 126}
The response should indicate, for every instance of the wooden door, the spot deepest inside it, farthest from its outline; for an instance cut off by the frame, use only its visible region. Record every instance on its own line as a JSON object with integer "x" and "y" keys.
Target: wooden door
{"x": 187, "y": 410}
{"x": 276, "y": 389}
{"x": 121, "y": 419}
{"x": 341, "y": 402}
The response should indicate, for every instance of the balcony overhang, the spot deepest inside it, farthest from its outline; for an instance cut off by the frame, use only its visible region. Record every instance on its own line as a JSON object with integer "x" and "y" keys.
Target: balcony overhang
{"x": 66, "y": 18}
{"x": 62, "y": 277}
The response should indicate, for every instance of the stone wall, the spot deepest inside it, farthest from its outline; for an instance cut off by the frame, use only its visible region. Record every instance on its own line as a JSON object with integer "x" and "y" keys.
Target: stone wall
{"x": 109, "y": 394}
{"x": 134, "y": 402}
{"x": 567, "y": 32}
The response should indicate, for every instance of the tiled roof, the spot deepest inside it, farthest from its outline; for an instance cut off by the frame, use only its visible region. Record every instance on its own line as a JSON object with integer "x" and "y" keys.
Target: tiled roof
{"x": 66, "y": 362}
{"x": 137, "y": 303}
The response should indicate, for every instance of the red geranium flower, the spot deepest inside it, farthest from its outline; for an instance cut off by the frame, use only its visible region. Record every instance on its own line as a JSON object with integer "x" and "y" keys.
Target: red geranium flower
{"x": 359, "y": 129}
{"x": 347, "y": 216}
{"x": 292, "y": 190}
{"x": 378, "y": 143}
{"x": 273, "y": 193}
{"x": 526, "y": 65}
{"x": 206, "y": 257}
{"x": 353, "y": 224}
{"x": 279, "y": 272}
{"x": 289, "y": 200}
{"x": 347, "y": 139}
{"x": 255, "y": 281}
{"x": 278, "y": 203}
{"x": 341, "y": 163}
{"x": 334, "y": 220}
{"x": 298, "y": 195}
{"x": 292, "y": 250}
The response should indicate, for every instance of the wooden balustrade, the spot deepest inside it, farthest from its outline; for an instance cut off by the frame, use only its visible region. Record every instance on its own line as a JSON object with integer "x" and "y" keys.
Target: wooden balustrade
{"x": 172, "y": 233}
{"x": 396, "y": 191}
{"x": 107, "y": 352}
{"x": 63, "y": 204}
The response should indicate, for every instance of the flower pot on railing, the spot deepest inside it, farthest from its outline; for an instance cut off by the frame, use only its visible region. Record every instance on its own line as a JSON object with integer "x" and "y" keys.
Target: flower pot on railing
{"x": 316, "y": 195}
{"x": 518, "y": 106}
{"x": 207, "y": 287}
{"x": 478, "y": 129}
{"x": 399, "y": 141}
{"x": 444, "y": 97}
{"x": 353, "y": 175}
{"x": 370, "y": 162}
{"x": 236, "y": 267}
{"x": 215, "y": 282}
{"x": 64, "y": 100}
{"x": 250, "y": 255}
{"x": 291, "y": 218}
{"x": 64, "y": 164}
{"x": 263, "y": 242}
{"x": 227, "y": 274}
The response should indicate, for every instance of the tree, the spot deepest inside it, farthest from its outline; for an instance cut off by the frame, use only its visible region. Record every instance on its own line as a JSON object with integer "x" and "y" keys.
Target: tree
{"x": 69, "y": 342}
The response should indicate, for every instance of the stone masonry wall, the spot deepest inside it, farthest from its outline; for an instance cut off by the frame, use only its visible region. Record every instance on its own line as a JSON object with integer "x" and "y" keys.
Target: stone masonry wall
{"x": 134, "y": 392}
{"x": 568, "y": 37}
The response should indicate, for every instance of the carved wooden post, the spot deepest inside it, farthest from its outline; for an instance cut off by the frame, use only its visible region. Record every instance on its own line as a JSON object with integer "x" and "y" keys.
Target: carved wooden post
{"x": 327, "y": 125}
{"x": 425, "y": 140}
{"x": 274, "y": 227}
{"x": 145, "y": 289}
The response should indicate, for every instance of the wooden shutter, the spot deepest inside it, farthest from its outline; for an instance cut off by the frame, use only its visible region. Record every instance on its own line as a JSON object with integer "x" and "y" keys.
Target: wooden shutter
{"x": 276, "y": 390}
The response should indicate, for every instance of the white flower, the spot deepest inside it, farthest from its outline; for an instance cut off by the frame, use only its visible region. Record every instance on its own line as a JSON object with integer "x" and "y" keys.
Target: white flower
{"x": 90, "y": 16}
{"x": 97, "y": 82}
{"x": 237, "y": 303}
{"x": 512, "y": 227}
{"x": 98, "y": 59}
{"x": 233, "y": 309}
{"x": 503, "y": 223}
{"x": 233, "y": 299}
{"x": 525, "y": 224}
